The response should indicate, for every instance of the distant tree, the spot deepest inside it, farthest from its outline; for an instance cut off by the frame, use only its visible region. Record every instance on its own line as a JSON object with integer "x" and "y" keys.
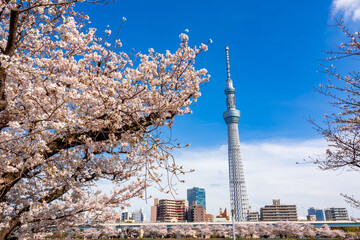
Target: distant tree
{"x": 240, "y": 230}
{"x": 176, "y": 231}
{"x": 185, "y": 231}
{"x": 295, "y": 229}
{"x": 325, "y": 232}
{"x": 245, "y": 230}
{"x": 265, "y": 230}
{"x": 339, "y": 233}
{"x": 342, "y": 126}
{"x": 91, "y": 233}
{"x": 189, "y": 231}
{"x": 154, "y": 231}
{"x": 74, "y": 109}
{"x": 251, "y": 231}
{"x": 133, "y": 233}
{"x": 149, "y": 231}
{"x": 286, "y": 229}
{"x": 220, "y": 231}
{"x": 204, "y": 231}
{"x": 107, "y": 232}
{"x": 161, "y": 231}
{"x": 308, "y": 231}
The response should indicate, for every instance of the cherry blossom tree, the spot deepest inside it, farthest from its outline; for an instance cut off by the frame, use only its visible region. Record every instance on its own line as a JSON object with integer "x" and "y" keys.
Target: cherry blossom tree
{"x": 161, "y": 231}
{"x": 107, "y": 232}
{"x": 325, "y": 232}
{"x": 240, "y": 230}
{"x": 221, "y": 231}
{"x": 251, "y": 230}
{"x": 342, "y": 126}
{"x": 91, "y": 233}
{"x": 264, "y": 230}
{"x": 176, "y": 231}
{"x": 185, "y": 231}
{"x": 189, "y": 231}
{"x": 295, "y": 229}
{"x": 245, "y": 230}
{"x": 74, "y": 109}
{"x": 133, "y": 233}
{"x": 155, "y": 231}
{"x": 284, "y": 229}
{"x": 308, "y": 231}
{"x": 339, "y": 233}
{"x": 204, "y": 231}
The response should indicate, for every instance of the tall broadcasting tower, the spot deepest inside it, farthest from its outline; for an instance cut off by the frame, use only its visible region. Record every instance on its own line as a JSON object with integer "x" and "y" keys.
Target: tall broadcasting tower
{"x": 238, "y": 195}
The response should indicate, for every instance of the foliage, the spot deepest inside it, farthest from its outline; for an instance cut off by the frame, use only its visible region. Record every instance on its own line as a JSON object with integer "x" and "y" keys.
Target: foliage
{"x": 281, "y": 230}
{"x": 203, "y": 231}
{"x": 155, "y": 231}
{"x": 308, "y": 231}
{"x": 348, "y": 229}
{"x": 74, "y": 110}
{"x": 182, "y": 231}
{"x": 342, "y": 126}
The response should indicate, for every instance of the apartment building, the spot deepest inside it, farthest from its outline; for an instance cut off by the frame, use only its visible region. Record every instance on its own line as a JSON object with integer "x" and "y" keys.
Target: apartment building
{"x": 169, "y": 210}
{"x": 278, "y": 212}
{"x": 336, "y": 214}
{"x": 197, "y": 213}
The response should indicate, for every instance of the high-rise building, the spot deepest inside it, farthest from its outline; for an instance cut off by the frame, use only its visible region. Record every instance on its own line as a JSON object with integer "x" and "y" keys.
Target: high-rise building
{"x": 197, "y": 195}
{"x": 278, "y": 212}
{"x": 153, "y": 213}
{"x": 139, "y": 216}
{"x": 336, "y": 214}
{"x": 238, "y": 195}
{"x": 197, "y": 213}
{"x": 317, "y": 213}
{"x": 320, "y": 216}
{"x": 126, "y": 215}
{"x": 311, "y": 211}
{"x": 168, "y": 210}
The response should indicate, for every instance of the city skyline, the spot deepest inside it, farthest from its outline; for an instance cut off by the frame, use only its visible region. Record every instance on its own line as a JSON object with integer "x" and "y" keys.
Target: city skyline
{"x": 276, "y": 49}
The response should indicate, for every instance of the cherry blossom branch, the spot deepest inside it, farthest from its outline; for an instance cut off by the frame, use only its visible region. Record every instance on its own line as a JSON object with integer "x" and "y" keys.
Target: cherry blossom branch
{"x": 9, "y": 50}
{"x": 68, "y": 119}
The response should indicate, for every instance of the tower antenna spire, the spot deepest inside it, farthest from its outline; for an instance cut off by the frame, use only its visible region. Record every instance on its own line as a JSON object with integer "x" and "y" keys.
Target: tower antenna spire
{"x": 227, "y": 62}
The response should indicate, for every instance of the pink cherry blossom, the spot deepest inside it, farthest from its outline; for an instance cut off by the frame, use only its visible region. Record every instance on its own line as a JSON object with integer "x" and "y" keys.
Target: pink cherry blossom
{"x": 74, "y": 110}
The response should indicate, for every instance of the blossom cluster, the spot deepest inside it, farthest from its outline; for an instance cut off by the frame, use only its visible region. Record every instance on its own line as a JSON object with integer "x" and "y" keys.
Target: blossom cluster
{"x": 74, "y": 110}
{"x": 242, "y": 231}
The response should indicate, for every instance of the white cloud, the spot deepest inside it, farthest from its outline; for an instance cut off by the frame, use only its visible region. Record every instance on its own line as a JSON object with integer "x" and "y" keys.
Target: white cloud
{"x": 350, "y": 9}
{"x": 270, "y": 172}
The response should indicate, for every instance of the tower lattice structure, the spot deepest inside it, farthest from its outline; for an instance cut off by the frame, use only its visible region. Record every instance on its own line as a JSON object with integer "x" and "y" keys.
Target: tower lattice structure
{"x": 238, "y": 194}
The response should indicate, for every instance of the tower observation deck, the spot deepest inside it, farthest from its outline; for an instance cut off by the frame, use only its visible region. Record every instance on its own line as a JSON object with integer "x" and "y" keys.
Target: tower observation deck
{"x": 238, "y": 195}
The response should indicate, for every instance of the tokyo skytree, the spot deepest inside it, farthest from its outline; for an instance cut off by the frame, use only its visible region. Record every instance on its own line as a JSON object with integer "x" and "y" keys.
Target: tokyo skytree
{"x": 238, "y": 195}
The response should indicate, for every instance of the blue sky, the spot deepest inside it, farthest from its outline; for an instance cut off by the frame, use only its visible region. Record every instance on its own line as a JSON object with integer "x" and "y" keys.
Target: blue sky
{"x": 275, "y": 47}
{"x": 275, "y": 52}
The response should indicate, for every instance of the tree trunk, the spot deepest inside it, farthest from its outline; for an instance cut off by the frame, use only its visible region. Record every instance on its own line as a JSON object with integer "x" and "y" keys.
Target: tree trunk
{"x": 6, "y": 232}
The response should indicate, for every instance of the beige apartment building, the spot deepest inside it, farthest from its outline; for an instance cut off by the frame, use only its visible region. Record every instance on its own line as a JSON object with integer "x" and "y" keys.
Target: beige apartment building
{"x": 197, "y": 213}
{"x": 253, "y": 216}
{"x": 278, "y": 212}
{"x": 168, "y": 210}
